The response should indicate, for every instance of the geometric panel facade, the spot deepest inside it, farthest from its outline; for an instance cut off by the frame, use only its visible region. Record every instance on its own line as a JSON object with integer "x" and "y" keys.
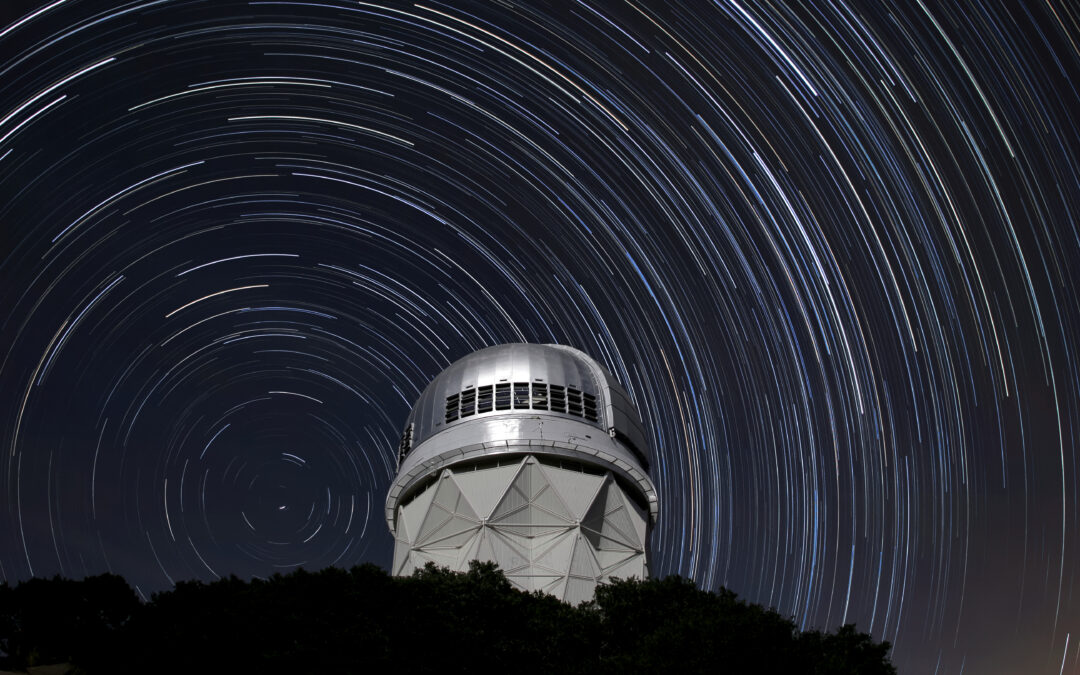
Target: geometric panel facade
{"x": 549, "y": 528}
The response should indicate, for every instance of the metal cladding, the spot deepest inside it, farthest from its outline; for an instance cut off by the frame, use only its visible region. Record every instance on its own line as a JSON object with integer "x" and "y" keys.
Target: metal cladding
{"x": 531, "y": 456}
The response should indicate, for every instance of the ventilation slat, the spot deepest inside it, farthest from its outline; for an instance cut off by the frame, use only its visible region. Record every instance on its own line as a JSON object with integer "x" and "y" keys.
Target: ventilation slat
{"x": 557, "y": 398}
{"x": 539, "y": 396}
{"x": 468, "y": 402}
{"x": 502, "y": 396}
{"x": 589, "y": 402}
{"x": 484, "y": 398}
{"x": 521, "y": 395}
{"x": 405, "y": 446}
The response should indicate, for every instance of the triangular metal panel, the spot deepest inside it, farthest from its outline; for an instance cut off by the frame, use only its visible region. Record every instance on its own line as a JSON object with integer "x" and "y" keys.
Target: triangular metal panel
{"x": 449, "y": 497}
{"x": 557, "y": 555}
{"x": 531, "y": 480}
{"x": 549, "y": 500}
{"x": 522, "y": 542}
{"x": 609, "y": 560}
{"x": 640, "y": 519}
{"x": 484, "y": 550}
{"x": 435, "y": 516}
{"x": 441, "y": 557}
{"x": 609, "y": 497}
{"x": 602, "y": 543}
{"x": 402, "y": 531}
{"x": 579, "y": 590}
{"x": 469, "y": 549}
{"x": 413, "y": 513}
{"x": 446, "y": 537}
{"x": 451, "y": 526}
{"x": 556, "y": 587}
{"x": 540, "y": 543}
{"x": 526, "y": 484}
{"x": 522, "y": 581}
{"x": 401, "y": 556}
{"x": 533, "y": 531}
{"x": 402, "y": 544}
{"x": 537, "y": 582}
{"x": 448, "y": 513}
{"x": 419, "y": 557}
{"x": 532, "y": 515}
{"x": 484, "y": 487}
{"x": 433, "y": 520}
{"x": 616, "y": 534}
{"x": 582, "y": 562}
{"x": 512, "y": 500}
{"x": 594, "y": 517}
{"x": 618, "y": 523}
{"x": 607, "y": 518}
{"x": 634, "y": 566}
{"x": 576, "y": 489}
{"x": 510, "y": 558}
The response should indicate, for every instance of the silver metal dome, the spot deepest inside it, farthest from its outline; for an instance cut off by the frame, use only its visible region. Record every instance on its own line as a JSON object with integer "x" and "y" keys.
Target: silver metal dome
{"x": 514, "y": 389}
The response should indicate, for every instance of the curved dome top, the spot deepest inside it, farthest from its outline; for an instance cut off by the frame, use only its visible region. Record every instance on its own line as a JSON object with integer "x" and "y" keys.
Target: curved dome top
{"x": 511, "y": 378}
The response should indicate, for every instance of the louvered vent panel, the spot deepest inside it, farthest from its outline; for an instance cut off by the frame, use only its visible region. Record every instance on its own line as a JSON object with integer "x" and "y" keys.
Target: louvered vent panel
{"x": 502, "y": 396}
{"x": 484, "y": 398}
{"x": 539, "y": 396}
{"x": 557, "y": 398}
{"x": 405, "y": 446}
{"x": 468, "y": 402}
{"x": 521, "y": 396}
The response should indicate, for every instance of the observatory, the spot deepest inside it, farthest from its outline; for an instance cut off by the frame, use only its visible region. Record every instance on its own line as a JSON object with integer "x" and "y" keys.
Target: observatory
{"x": 531, "y": 456}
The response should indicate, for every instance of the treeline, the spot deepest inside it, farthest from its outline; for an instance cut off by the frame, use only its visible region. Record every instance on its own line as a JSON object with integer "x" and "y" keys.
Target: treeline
{"x": 436, "y": 621}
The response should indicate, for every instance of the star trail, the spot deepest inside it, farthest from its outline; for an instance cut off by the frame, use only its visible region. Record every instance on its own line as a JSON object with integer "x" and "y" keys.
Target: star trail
{"x": 831, "y": 249}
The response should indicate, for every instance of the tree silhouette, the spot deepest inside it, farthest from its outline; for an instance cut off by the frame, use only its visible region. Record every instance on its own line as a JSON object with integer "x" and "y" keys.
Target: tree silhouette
{"x": 55, "y": 620}
{"x": 434, "y": 621}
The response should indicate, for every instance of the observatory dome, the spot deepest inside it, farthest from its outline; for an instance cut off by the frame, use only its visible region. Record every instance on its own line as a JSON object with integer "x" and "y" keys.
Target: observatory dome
{"x": 514, "y": 453}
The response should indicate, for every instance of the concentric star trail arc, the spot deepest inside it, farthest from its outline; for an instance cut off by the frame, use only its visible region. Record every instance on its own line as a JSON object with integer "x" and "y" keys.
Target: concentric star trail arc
{"x": 830, "y": 249}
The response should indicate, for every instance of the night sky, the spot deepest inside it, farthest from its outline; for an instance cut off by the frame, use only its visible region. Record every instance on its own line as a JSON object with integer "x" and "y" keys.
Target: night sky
{"x": 832, "y": 251}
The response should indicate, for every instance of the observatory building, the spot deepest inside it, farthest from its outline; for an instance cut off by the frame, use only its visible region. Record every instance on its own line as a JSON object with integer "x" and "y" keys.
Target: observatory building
{"x": 531, "y": 456}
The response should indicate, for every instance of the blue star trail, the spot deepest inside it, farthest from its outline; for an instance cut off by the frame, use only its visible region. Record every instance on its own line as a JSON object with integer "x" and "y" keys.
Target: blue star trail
{"x": 831, "y": 249}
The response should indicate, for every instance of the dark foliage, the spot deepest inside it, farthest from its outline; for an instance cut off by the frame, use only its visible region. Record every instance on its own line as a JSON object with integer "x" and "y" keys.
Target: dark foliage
{"x": 435, "y": 621}
{"x": 56, "y": 620}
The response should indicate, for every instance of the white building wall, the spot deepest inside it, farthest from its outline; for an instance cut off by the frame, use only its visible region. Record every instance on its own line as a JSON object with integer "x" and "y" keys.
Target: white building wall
{"x": 553, "y": 529}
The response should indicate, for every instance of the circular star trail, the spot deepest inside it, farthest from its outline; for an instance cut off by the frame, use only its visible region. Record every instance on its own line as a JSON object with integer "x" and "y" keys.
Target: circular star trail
{"x": 830, "y": 248}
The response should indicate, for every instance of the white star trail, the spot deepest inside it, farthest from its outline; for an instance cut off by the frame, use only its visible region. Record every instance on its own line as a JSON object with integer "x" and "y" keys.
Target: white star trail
{"x": 830, "y": 249}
